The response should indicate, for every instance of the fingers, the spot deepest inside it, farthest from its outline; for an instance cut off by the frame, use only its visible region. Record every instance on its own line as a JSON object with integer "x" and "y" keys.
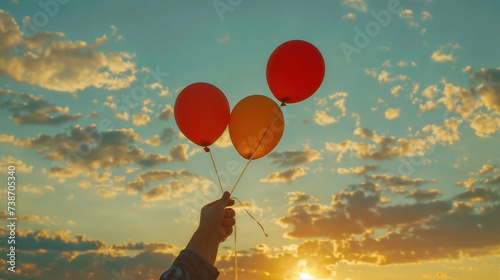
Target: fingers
{"x": 228, "y": 222}
{"x": 229, "y": 213}
{"x": 223, "y": 202}
{"x": 229, "y": 230}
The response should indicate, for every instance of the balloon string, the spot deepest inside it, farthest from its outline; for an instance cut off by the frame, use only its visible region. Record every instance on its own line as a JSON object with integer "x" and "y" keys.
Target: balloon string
{"x": 235, "y": 254}
{"x": 216, "y": 172}
{"x": 235, "y": 233}
{"x": 253, "y": 154}
{"x": 251, "y": 216}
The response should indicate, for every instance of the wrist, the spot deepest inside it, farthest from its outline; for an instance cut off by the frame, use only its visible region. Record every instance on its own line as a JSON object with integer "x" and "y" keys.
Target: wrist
{"x": 207, "y": 235}
{"x": 205, "y": 243}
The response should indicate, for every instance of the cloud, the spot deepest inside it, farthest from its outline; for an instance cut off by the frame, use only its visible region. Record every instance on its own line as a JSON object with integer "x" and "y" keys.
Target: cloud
{"x": 360, "y": 170}
{"x": 125, "y": 116}
{"x": 349, "y": 16}
{"x": 151, "y": 160}
{"x": 362, "y": 226}
{"x": 86, "y": 149}
{"x": 142, "y": 180}
{"x": 493, "y": 181}
{"x": 154, "y": 141}
{"x": 468, "y": 184}
{"x": 161, "y": 192}
{"x": 421, "y": 195}
{"x": 429, "y": 93}
{"x": 166, "y": 114}
{"x": 392, "y": 113}
{"x": 291, "y": 158}
{"x": 29, "y": 218}
{"x": 487, "y": 168}
{"x": 478, "y": 195}
{"x": 19, "y": 164}
{"x": 6, "y": 138}
{"x": 406, "y": 14}
{"x": 224, "y": 140}
{"x": 179, "y": 152}
{"x": 93, "y": 114}
{"x": 402, "y": 63}
{"x": 29, "y": 109}
{"x": 140, "y": 119}
{"x": 168, "y": 135}
{"x": 355, "y": 213}
{"x": 473, "y": 240}
{"x": 441, "y": 57}
{"x": 384, "y": 76}
{"x": 322, "y": 118}
{"x": 484, "y": 125}
{"x": 57, "y": 241}
{"x": 55, "y": 255}
{"x": 358, "y": 5}
{"x": 164, "y": 91}
{"x": 396, "y": 183}
{"x": 74, "y": 65}
{"x": 487, "y": 84}
{"x": 297, "y": 197}
{"x": 390, "y": 147}
{"x": 286, "y": 176}
{"x": 361, "y": 150}
{"x": 445, "y": 133}
{"x": 426, "y": 16}
{"x": 395, "y": 91}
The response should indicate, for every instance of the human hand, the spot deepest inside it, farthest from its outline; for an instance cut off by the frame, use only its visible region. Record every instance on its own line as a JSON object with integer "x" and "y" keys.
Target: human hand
{"x": 217, "y": 221}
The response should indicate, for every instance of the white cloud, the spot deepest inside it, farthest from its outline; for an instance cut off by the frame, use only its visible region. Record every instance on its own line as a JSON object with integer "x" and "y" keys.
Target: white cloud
{"x": 392, "y": 113}
{"x": 322, "y": 118}
{"x": 74, "y": 65}
{"x": 440, "y": 57}
{"x": 140, "y": 119}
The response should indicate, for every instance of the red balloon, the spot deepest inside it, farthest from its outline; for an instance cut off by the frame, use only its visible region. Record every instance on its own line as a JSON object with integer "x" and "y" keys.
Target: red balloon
{"x": 202, "y": 113}
{"x": 295, "y": 71}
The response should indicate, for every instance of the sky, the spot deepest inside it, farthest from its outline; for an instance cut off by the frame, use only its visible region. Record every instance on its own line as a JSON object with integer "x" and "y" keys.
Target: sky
{"x": 389, "y": 171}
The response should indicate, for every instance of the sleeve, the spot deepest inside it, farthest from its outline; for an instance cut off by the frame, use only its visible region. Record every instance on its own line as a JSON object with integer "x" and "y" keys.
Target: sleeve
{"x": 190, "y": 266}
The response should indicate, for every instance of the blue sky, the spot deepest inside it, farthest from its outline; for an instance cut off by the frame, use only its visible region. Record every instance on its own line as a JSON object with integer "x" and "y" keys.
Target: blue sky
{"x": 398, "y": 145}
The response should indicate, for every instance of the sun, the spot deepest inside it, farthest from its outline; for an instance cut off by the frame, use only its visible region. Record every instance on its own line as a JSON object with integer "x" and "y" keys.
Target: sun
{"x": 305, "y": 276}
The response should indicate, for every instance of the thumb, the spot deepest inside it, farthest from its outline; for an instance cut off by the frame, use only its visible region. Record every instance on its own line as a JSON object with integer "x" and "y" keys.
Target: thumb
{"x": 224, "y": 200}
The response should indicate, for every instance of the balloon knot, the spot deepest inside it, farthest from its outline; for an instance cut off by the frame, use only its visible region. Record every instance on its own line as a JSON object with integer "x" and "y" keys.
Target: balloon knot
{"x": 283, "y": 104}
{"x": 206, "y": 149}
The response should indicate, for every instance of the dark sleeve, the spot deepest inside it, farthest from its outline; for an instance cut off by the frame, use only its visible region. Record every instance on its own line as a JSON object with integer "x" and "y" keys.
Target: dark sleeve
{"x": 190, "y": 266}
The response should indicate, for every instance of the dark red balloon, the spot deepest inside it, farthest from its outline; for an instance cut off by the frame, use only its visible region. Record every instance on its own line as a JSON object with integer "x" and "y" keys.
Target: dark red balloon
{"x": 295, "y": 71}
{"x": 202, "y": 113}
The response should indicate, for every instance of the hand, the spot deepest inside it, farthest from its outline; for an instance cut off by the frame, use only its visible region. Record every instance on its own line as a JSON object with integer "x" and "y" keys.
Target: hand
{"x": 216, "y": 223}
{"x": 216, "y": 219}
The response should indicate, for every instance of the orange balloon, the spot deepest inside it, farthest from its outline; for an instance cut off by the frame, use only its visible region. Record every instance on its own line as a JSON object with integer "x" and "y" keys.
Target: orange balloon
{"x": 250, "y": 119}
